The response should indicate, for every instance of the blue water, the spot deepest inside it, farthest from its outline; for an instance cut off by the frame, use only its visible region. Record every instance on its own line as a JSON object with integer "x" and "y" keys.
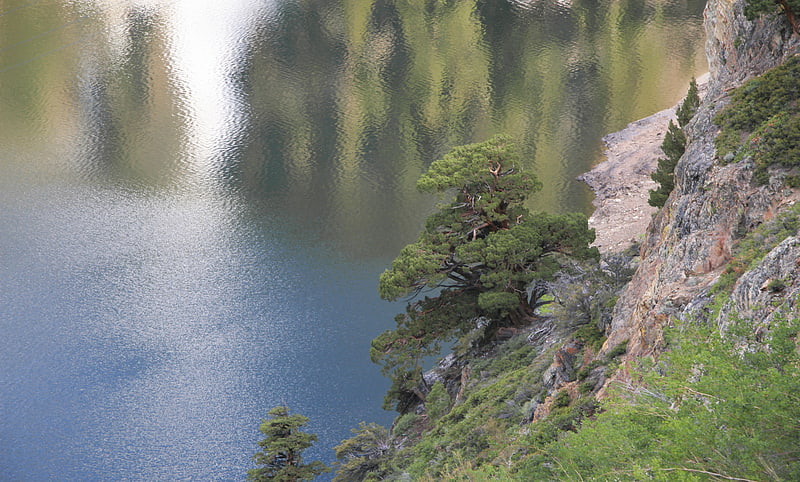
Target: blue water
{"x": 145, "y": 335}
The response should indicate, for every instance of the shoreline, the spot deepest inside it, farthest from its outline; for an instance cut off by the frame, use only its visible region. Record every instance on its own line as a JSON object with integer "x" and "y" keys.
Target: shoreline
{"x": 621, "y": 183}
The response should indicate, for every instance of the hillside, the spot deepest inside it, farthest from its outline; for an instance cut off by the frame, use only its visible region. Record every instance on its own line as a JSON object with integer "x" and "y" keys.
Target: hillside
{"x": 676, "y": 360}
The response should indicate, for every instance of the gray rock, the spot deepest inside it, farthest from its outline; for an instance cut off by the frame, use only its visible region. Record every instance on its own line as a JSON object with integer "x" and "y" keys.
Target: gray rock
{"x": 713, "y": 205}
{"x": 754, "y": 296}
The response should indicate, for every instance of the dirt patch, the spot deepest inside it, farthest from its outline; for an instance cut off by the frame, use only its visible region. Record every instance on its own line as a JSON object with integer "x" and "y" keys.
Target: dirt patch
{"x": 622, "y": 182}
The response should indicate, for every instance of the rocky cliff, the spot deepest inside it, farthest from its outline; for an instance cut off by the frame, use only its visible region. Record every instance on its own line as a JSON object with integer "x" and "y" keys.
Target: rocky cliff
{"x": 691, "y": 240}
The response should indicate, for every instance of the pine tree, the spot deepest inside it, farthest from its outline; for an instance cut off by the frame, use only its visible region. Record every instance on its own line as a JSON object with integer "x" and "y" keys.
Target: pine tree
{"x": 674, "y": 146}
{"x": 281, "y": 451}
{"x": 689, "y": 106}
{"x": 485, "y": 255}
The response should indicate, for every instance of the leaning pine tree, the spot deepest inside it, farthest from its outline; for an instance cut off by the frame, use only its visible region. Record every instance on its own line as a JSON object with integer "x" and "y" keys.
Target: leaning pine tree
{"x": 483, "y": 256}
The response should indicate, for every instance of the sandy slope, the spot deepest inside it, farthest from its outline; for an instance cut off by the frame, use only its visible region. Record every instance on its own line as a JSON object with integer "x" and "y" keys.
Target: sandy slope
{"x": 621, "y": 182}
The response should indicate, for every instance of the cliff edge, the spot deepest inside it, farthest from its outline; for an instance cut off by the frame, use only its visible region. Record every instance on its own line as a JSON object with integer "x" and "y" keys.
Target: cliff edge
{"x": 690, "y": 240}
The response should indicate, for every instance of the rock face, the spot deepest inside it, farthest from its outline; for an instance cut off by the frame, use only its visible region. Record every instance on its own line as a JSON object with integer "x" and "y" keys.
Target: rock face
{"x": 774, "y": 282}
{"x": 738, "y": 49}
{"x": 689, "y": 241}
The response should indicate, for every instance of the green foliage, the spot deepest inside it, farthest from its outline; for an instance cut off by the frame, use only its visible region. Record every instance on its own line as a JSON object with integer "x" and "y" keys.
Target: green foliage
{"x": 514, "y": 354}
{"x": 591, "y": 336}
{"x": 365, "y": 456}
{"x": 721, "y": 406}
{"x": 618, "y": 350}
{"x": 509, "y": 260}
{"x": 437, "y": 403}
{"x": 752, "y": 248}
{"x": 585, "y": 370}
{"x": 758, "y": 99}
{"x": 562, "y": 399}
{"x": 481, "y": 427}
{"x": 281, "y": 455}
{"x": 775, "y": 142}
{"x": 673, "y": 146}
{"x": 466, "y": 471}
{"x": 488, "y": 168}
{"x": 404, "y": 423}
{"x": 793, "y": 181}
{"x": 689, "y": 106}
{"x": 761, "y": 122}
{"x": 485, "y": 253}
{"x": 562, "y": 418}
{"x": 755, "y": 8}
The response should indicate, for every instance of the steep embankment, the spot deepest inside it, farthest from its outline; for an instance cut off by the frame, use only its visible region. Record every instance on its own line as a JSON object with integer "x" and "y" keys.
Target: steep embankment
{"x": 690, "y": 240}
{"x": 514, "y": 406}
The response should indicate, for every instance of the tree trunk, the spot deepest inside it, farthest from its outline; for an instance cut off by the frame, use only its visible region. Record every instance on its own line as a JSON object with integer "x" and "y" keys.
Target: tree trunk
{"x": 521, "y": 314}
{"x": 791, "y": 16}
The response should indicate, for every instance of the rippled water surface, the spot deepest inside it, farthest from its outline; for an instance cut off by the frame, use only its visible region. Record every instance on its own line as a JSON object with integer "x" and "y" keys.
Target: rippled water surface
{"x": 197, "y": 198}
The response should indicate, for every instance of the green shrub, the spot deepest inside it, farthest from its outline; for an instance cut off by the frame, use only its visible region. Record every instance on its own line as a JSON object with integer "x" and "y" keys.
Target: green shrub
{"x": 562, "y": 399}
{"x": 776, "y": 285}
{"x": 591, "y": 336}
{"x": 437, "y": 403}
{"x": 585, "y": 388}
{"x": 403, "y": 423}
{"x": 468, "y": 471}
{"x": 775, "y": 142}
{"x": 762, "y": 121}
{"x": 618, "y": 350}
{"x": 511, "y": 355}
{"x": 714, "y": 411}
{"x": 793, "y": 181}
{"x": 585, "y": 370}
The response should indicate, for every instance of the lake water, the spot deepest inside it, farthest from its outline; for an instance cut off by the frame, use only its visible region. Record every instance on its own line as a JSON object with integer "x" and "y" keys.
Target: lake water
{"x": 197, "y": 198}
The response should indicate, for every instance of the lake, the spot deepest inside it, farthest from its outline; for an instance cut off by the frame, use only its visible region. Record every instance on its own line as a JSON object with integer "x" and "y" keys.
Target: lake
{"x": 197, "y": 198}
